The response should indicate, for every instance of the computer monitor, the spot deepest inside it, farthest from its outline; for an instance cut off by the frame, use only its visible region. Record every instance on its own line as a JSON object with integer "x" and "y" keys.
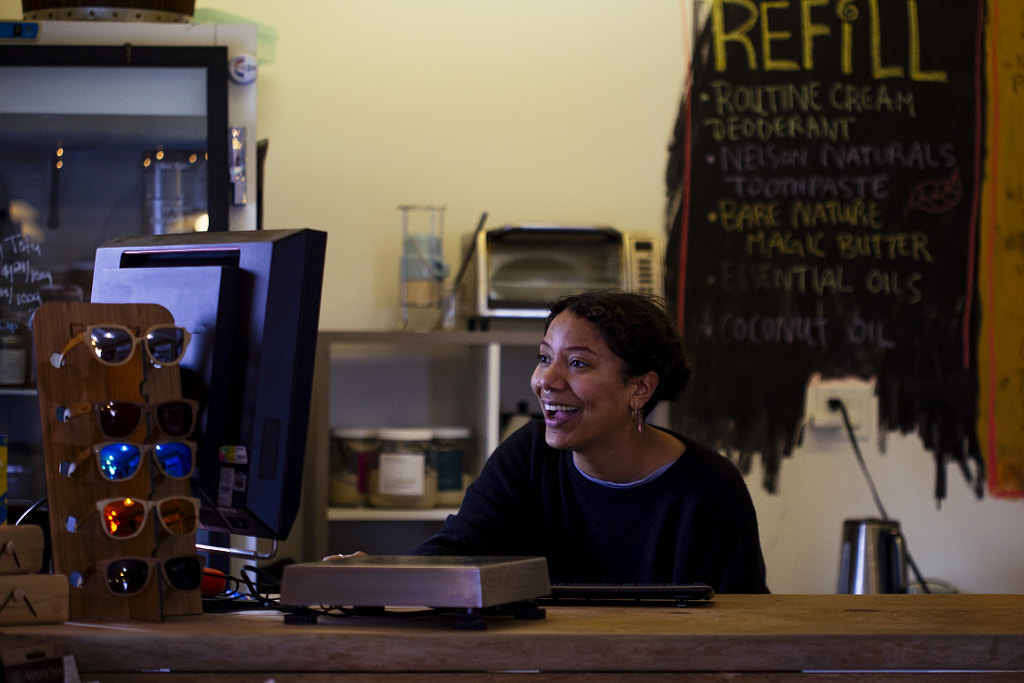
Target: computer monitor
{"x": 251, "y": 300}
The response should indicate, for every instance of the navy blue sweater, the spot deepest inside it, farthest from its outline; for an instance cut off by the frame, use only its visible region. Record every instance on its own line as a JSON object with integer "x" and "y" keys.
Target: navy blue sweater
{"x": 694, "y": 523}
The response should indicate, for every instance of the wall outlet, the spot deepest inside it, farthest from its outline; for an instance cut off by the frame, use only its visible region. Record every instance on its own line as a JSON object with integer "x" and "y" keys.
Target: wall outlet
{"x": 857, "y": 395}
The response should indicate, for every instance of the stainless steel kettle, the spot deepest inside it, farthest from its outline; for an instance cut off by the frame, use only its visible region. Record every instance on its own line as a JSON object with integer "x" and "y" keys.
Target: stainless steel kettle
{"x": 873, "y": 557}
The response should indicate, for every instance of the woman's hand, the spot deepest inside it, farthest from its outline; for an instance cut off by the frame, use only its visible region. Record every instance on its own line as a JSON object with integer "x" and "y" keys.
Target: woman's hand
{"x": 357, "y": 553}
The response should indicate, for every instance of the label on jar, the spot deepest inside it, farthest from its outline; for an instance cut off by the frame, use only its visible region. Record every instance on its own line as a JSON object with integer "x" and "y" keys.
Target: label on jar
{"x": 402, "y": 474}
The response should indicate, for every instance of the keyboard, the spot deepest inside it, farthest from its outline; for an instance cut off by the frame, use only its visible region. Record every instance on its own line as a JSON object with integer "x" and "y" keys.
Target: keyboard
{"x": 628, "y": 593}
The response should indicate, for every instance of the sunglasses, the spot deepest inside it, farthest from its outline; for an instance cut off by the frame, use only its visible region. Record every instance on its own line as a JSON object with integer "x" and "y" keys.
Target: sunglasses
{"x": 119, "y": 419}
{"x": 115, "y": 344}
{"x": 124, "y": 518}
{"x": 130, "y": 575}
{"x": 120, "y": 460}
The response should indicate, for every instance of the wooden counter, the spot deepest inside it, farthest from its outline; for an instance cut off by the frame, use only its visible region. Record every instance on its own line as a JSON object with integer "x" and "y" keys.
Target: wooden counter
{"x": 734, "y": 633}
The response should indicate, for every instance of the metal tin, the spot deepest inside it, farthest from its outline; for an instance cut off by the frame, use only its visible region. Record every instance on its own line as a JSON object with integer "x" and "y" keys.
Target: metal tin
{"x": 452, "y": 447}
{"x": 351, "y": 453}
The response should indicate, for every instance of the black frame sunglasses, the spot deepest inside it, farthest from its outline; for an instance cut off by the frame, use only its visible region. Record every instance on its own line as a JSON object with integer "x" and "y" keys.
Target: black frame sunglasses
{"x": 127, "y": 576}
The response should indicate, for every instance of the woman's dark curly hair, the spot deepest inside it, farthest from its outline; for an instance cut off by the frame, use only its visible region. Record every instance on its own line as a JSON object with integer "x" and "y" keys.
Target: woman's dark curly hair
{"x": 639, "y": 331}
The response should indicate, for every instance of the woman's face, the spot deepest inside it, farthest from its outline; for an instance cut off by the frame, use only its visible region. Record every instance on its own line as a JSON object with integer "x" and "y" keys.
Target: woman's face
{"x": 579, "y": 383}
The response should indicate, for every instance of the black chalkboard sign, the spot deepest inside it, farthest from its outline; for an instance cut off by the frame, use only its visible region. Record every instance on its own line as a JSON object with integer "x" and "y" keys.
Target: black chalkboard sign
{"x": 824, "y": 178}
{"x": 27, "y": 280}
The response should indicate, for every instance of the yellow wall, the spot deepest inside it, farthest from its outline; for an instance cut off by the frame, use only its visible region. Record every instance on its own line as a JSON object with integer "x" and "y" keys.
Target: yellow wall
{"x": 531, "y": 110}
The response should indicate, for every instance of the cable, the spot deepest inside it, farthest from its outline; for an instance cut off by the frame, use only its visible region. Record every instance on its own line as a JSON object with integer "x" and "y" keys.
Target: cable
{"x": 28, "y": 511}
{"x": 836, "y": 404}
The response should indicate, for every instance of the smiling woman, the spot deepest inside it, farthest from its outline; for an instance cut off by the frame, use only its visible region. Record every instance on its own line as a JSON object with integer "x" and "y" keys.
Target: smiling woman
{"x": 593, "y": 488}
{"x": 606, "y": 360}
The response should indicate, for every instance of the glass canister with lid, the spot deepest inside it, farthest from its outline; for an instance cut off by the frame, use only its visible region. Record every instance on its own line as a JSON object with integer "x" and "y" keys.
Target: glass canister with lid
{"x": 403, "y": 474}
{"x": 13, "y": 360}
{"x": 351, "y": 452}
{"x": 452, "y": 445}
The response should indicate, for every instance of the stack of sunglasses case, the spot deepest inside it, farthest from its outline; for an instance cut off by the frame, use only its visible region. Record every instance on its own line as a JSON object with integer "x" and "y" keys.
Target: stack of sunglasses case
{"x": 118, "y": 458}
{"x": 26, "y": 595}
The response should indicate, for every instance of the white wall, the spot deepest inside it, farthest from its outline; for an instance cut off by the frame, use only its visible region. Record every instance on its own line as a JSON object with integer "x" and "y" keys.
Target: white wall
{"x": 975, "y": 545}
{"x": 541, "y": 110}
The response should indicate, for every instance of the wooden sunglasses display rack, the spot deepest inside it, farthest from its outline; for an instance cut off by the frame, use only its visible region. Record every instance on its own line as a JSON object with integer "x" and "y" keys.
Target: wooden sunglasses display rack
{"x": 79, "y": 548}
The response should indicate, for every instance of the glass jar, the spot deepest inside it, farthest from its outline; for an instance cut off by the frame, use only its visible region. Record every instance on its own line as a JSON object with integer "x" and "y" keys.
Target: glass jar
{"x": 13, "y": 360}
{"x": 403, "y": 474}
{"x": 452, "y": 447}
{"x": 351, "y": 453}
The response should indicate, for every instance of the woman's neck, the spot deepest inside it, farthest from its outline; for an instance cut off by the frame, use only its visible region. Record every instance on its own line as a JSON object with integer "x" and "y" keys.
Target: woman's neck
{"x": 634, "y": 459}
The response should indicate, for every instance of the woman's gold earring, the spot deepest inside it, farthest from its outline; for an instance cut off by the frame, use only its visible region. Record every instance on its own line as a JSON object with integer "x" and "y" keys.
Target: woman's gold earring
{"x": 639, "y": 420}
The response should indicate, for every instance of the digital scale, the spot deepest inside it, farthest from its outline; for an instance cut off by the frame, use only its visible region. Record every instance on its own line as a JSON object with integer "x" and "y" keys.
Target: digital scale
{"x": 439, "y": 582}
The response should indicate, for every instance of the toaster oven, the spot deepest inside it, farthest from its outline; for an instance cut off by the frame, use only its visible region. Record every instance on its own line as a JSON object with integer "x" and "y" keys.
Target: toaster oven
{"x": 518, "y": 270}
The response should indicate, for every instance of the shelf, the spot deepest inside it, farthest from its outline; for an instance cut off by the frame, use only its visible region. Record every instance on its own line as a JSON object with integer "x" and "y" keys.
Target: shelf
{"x": 453, "y": 338}
{"x": 19, "y": 391}
{"x": 363, "y": 514}
{"x": 457, "y": 377}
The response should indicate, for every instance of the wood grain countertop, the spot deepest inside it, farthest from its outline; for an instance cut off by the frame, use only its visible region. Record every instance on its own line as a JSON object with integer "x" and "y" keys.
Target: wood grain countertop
{"x": 732, "y": 633}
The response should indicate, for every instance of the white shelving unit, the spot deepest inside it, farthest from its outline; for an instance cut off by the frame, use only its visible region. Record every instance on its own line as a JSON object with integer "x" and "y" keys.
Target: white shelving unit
{"x": 367, "y": 514}
{"x": 401, "y": 379}
{"x": 20, "y": 392}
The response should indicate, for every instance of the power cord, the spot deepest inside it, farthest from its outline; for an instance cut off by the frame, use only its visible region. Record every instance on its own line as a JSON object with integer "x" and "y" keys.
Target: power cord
{"x": 259, "y": 587}
{"x": 835, "y": 404}
{"x": 28, "y": 511}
